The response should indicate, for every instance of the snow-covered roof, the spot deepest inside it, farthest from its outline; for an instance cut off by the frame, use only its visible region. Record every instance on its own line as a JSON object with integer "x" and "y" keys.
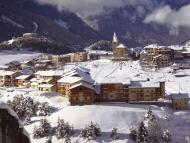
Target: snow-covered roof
{"x": 23, "y": 77}
{"x": 176, "y": 47}
{"x": 69, "y": 79}
{"x": 40, "y": 80}
{"x": 82, "y": 84}
{"x": 34, "y": 83}
{"x": 14, "y": 63}
{"x": 6, "y": 73}
{"x": 115, "y": 81}
{"x": 50, "y": 73}
{"x": 46, "y": 85}
{"x": 152, "y": 46}
{"x": 144, "y": 84}
{"x": 121, "y": 46}
{"x": 115, "y": 39}
{"x": 3, "y": 66}
{"x": 83, "y": 73}
{"x": 179, "y": 96}
{"x": 155, "y": 46}
{"x": 99, "y": 52}
{"x": 44, "y": 61}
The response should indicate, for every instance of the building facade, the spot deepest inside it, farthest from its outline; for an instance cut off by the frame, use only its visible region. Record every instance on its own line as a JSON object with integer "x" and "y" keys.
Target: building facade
{"x": 81, "y": 94}
{"x": 135, "y": 91}
{"x": 23, "y": 80}
{"x": 7, "y": 78}
{"x": 157, "y": 56}
{"x": 180, "y": 101}
{"x": 113, "y": 92}
{"x": 79, "y": 57}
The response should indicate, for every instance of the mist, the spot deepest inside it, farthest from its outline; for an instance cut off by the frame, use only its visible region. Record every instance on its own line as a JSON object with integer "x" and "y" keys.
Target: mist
{"x": 91, "y": 7}
{"x": 168, "y": 16}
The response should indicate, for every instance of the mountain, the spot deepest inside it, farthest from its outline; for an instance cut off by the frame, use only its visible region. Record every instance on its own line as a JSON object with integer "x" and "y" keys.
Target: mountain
{"x": 26, "y": 16}
{"x": 73, "y": 32}
{"x": 34, "y": 42}
{"x": 128, "y": 23}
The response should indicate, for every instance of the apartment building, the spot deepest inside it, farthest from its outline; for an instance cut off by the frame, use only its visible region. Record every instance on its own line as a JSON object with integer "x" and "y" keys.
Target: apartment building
{"x": 157, "y": 56}
{"x": 180, "y": 101}
{"x": 146, "y": 91}
{"x": 7, "y": 78}
{"x": 23, "y": 80}
{"x": 79, "y": 57}
{"x": 46, "y": 77}
{"x": 81, "y": 94}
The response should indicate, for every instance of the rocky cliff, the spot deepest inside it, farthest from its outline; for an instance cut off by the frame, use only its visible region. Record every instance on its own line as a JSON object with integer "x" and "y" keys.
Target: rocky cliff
{"x": 11, "y": 130}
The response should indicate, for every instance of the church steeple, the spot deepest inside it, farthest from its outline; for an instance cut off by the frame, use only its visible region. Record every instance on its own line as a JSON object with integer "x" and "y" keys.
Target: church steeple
{"x": 115, "y": 40}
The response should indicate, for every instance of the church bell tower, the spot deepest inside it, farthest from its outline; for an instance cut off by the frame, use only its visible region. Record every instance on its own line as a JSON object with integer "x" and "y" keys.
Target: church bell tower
{"x": 115, "y": 42}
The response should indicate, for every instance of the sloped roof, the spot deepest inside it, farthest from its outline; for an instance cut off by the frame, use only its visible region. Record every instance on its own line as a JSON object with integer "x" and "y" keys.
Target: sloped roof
{"x": 50, "y": 73}
{"x": 82, "y": 84}
{"x": 80, "y": 73}
{"x": 69, "y": 79}
{"x": 6, "y": 73}
{"x": 22, "y": 77}
{"x": 121, "y": 46}
{"x": 179, "y": 96}
{"x": 145, "y": 84}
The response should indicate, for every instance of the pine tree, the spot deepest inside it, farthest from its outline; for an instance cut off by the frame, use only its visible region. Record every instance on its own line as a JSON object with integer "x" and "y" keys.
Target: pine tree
{"x": 27, "y": 120}
{"x": 91, "y": 132}
{"x": 142, "y": 134}
{"x": 44, "y": 109}
{"x": 25, "y": 107}
{"x": 63, "y": 129}
{"x": 149, "y": 115}
{"x": 43, "y": 130}
{"x": 167, "y": 137}
{"x": 152, "y": 126}
{"x": 67, "y": 139}
{"x": 133, "y": 134}
{"x": 114, "y": 134}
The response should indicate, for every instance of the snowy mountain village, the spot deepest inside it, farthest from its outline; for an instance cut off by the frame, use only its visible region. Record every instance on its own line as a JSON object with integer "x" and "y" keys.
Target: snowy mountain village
{"x": 129, "y": 80}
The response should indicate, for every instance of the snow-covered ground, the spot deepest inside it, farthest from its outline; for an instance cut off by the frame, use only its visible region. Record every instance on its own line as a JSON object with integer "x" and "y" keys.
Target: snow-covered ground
{"x": 7, "y": 56}
{"x": 108, "y": 115}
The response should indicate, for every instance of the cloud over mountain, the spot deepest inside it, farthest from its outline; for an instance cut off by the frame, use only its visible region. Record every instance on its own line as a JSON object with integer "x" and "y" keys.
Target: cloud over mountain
{"x": 167, "y": 15}
{"x": 91, "y": 7}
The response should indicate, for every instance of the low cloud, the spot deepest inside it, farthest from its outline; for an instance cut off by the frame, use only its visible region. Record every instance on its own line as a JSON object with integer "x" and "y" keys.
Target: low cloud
{"x": 167, "y": 15}
{"x": 91, "y": 7}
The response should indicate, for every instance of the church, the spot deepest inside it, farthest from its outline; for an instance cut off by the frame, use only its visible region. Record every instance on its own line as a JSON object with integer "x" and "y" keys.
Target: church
{"x": 120, "y": 51}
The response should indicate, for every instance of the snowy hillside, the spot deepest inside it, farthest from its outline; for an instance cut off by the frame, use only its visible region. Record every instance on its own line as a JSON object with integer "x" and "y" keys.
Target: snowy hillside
{"x": 7, "y": 56}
